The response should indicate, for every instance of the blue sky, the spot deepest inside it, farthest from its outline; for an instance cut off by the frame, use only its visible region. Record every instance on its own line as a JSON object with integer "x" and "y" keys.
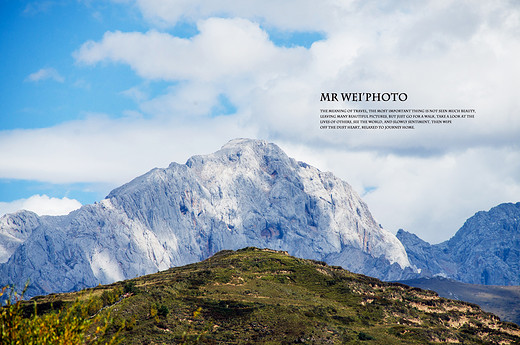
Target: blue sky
{"x": 43, "y": 86}
{"x": 40, "y": 37}
{"x": 97, "y": 92}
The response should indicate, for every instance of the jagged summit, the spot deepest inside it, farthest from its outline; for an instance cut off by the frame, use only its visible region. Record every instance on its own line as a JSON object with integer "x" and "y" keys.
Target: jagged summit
{"x": 241, "y": 155}
{"x": 241, "y": 143}
{"x": 248, "y": 193}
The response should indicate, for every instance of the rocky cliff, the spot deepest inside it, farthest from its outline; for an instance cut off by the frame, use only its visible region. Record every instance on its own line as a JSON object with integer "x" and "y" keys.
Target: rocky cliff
{"x": 249, "y": 193}
{"x": 14, "y": 230}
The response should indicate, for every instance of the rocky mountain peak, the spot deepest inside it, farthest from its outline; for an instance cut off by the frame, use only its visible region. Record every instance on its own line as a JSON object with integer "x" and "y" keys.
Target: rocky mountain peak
{"x": 15, "y": 228}
{"x": 243, "y": 157}
{"x": 503, "y": 219}
{"x": 249, "y": 193}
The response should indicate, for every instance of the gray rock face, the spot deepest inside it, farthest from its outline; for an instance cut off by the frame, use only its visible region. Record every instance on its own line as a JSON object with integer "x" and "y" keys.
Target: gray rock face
{"x": 249, "y": 193}
{"x": 431, "y": 260}
{"x": 486, "y": 250}
{"x": 14, "y": 230}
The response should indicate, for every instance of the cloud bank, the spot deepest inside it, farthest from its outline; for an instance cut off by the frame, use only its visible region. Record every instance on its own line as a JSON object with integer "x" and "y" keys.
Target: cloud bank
{"x": 41, "y": 205}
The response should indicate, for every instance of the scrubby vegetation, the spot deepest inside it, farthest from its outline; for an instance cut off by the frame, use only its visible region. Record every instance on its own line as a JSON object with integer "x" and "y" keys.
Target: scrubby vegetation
{"x": 70, "y": 324}
{"x": 267, "y": 297}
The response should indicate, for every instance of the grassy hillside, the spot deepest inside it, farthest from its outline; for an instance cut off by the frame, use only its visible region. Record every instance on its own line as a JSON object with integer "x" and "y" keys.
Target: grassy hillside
{"x": 503, "y": 301}
{"x": 267, "y": 297}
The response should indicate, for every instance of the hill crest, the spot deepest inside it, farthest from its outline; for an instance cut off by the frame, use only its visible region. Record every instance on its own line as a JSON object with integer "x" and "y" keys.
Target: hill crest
{"x": 265, "y": 296}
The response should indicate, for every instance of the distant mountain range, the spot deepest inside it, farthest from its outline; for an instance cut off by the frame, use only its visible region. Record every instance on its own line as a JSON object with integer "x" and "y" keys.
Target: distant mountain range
{"x": 249, "y": 193}
{"x": 486, "y": 250}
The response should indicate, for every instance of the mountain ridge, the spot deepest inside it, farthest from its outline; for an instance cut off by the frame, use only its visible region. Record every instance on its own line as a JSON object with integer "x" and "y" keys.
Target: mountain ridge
{"x": 485, "y": 250}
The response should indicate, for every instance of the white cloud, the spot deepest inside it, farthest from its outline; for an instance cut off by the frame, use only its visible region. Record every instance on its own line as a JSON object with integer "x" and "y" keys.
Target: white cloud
{"x": 46, "y": 74}
{"x": 37, "y": 7}
{"x": 447, "y": 67}
{"x": 41, "y": 205}
{"x": 225, "y": 48}
{"x": 82, "y": 84}
{"x": 135, "y": 93}
{"x": 113, "y": 151}
{"x": 290, "y": 14}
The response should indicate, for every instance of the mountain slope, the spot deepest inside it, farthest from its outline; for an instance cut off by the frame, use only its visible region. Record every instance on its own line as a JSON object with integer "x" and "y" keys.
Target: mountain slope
{"x": 267, "y": 297}
{"x": 249, "y": 193}
{"x": 486, "y": 249}
{"x": 503, "y": 301}
{"x": 14, "y": 230}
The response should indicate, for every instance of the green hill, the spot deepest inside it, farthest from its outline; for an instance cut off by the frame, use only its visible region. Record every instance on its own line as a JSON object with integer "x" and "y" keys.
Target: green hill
{"x": 254, "y": 296}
